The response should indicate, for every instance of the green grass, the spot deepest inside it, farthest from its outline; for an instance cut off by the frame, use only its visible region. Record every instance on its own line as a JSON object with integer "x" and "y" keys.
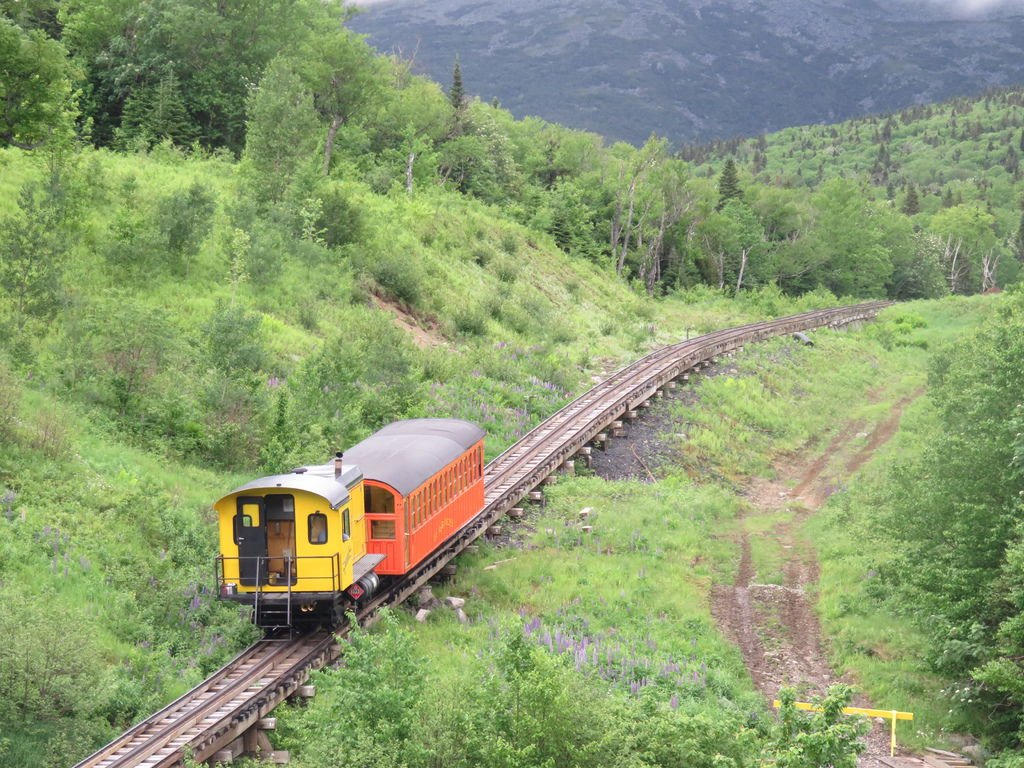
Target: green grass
{"x": 641, "y": 576}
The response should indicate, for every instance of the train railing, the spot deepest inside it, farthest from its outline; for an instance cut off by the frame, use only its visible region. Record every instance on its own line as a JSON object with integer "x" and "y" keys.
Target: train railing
{"x": 231, "y": 581}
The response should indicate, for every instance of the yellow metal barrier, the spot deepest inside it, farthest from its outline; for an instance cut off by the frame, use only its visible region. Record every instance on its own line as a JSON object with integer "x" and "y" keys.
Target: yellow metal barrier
{"x": 892, "y": 715}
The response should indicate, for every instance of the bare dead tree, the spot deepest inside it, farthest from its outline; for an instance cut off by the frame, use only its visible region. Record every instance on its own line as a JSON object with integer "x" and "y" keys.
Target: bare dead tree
{"x": 408, "y": 172}
{"x": 989, "y": 265}
{"x": 717, "y": 260}
{"x": 744, "y": 258}
{"x": 956, "y": 262}
{"x": 623, "y": 231}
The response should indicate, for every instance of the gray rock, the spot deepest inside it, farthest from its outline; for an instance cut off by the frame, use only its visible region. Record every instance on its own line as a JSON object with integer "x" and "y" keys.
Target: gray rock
{"x": 426, "y": 598}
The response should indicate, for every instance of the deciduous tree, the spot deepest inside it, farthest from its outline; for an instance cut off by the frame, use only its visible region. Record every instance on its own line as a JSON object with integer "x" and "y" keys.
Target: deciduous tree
{"x": 345, "y": 77}
{"x": 36, "y": 91}
{"x": 31, "y": 257}
{"x": 281, "y": 130}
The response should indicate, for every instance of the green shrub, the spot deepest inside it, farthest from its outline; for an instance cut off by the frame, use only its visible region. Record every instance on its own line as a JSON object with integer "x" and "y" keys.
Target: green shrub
{"x": 470, "y": 320}
{"x": 506, "y": 270}
{"x": 482, "y": 255}
{"x": 10, "y": 399}
{"x": 340, "y": 221}
{"x": 510, "y": 244}
{"x": 398, "y": 275}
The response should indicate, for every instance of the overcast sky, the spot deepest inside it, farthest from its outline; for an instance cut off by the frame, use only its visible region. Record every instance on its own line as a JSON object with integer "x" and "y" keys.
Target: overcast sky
{"x": 971, "y": 7}
{"x": 955, "y": 7}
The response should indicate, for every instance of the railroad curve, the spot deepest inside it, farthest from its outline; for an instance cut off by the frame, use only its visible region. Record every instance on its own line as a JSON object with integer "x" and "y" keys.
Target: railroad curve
{"x": 229, "y": 704}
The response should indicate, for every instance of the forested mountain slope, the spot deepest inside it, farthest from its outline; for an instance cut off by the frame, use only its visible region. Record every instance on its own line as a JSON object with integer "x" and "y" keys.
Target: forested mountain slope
{"x": 700, "y": 70}
{"x": 966, "y": 150}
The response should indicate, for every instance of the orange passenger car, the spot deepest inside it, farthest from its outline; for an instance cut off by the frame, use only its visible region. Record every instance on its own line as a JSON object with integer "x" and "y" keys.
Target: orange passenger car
{"x": 424, "y": 480}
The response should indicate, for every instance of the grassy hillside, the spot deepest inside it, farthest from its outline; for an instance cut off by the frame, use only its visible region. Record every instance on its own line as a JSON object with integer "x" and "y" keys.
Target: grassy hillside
{"x": 183, "y": 348}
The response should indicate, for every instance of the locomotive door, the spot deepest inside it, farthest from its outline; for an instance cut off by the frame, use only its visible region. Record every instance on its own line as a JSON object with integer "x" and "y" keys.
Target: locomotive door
{"x": 251, "y": 535}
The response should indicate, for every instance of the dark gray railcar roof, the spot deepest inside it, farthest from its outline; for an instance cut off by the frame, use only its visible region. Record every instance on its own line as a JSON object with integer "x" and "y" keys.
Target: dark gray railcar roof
{"x": 318, "y": 480}
{"x": 406, "y": 454}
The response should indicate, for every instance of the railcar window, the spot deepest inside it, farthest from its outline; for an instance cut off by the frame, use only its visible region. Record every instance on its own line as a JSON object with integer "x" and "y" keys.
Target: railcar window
{"x": 317, "y": 528}
{"x": 382, "y": 529}
{"x": 346, "y": 525}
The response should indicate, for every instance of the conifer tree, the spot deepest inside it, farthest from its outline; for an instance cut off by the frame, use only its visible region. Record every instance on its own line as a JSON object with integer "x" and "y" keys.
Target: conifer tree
{"x": 1018, "y": 240}
{"x": 157, "y": 112}
{"x": 947, "y": 199}
{"x": 457, "y": 94}
{"x": 911, "y": 204}
{"x": 728, "y": 185}
{"x": 168, "y": 117}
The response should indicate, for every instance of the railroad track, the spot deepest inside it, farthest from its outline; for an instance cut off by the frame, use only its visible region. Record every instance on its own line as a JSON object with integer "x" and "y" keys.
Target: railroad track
{"x": 227, "y": 706}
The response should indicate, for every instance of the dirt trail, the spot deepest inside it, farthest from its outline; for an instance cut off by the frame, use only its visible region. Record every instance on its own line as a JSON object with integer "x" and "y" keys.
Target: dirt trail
{"x": 775, "y": 625}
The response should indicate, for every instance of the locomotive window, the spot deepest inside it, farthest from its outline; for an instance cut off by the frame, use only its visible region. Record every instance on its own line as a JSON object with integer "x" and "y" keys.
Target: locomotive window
{"x": 346, "y": 525}
{"x": 317, "y": 528}
{"x": 382, "y": 529}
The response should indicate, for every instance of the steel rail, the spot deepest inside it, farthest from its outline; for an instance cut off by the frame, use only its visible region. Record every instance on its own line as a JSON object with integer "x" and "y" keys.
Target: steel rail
{"x": 265, "y": 660}
{"x": 229, "y": 702}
